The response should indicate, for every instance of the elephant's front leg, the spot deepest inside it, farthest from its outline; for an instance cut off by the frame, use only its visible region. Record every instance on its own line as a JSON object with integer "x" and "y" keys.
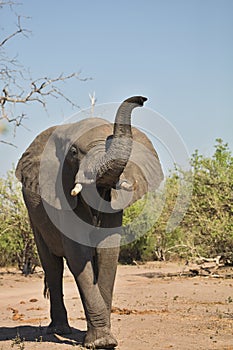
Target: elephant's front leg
{"x": 105, "y": 266}
{"x": 81, "y": 263}
{"x": 106, "y": 261}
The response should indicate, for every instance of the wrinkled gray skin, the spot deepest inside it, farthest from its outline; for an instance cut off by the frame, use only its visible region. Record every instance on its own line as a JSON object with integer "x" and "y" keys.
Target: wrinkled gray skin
{"x": 100, "y": 155}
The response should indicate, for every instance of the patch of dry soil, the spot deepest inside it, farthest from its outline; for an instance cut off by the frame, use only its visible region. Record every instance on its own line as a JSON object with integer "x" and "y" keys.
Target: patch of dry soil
{"x": 149, "y": 312}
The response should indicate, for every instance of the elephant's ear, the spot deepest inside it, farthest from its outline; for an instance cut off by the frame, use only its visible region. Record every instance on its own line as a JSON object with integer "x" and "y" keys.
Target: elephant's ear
{"x": 28, "y": 167}
{"x": 40, "y": 167}
{"x": 142, "y": 174}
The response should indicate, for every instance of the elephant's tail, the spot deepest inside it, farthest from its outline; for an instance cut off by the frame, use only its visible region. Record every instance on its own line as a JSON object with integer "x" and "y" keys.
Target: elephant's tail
{"x": 46, "y": 289}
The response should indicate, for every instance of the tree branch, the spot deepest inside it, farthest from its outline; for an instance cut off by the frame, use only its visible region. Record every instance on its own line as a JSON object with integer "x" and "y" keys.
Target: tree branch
{"x": 39, "y": 91}
{"x": 40, "y": 88}
{"x": 20, "y": 30}
{"x": 8, "y": 143}
{"x": 16, "y": 85}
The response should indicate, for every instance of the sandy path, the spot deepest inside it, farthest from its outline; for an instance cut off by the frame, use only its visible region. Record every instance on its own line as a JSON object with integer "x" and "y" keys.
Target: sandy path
{"x": 149, "y": 313}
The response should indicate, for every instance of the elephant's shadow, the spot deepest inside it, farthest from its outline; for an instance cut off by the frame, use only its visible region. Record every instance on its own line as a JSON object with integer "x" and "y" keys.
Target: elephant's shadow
{"x": 38, "y": 334}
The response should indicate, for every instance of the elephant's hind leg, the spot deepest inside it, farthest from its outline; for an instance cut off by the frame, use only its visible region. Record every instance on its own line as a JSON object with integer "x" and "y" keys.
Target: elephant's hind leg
{"x": 53, "y": 267}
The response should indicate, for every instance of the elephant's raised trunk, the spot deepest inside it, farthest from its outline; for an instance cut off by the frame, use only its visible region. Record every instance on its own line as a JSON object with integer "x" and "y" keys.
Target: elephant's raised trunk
{"x": 108, "y": 168}
{"x": 120, "y": 145}
{"x": 122, "y": 125}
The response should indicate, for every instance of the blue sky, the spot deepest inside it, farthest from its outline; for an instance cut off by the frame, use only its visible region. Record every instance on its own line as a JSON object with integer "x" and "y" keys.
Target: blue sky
{"x": 178, "y": 53}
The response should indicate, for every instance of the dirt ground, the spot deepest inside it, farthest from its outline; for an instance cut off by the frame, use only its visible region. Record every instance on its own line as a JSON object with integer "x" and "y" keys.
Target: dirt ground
{"x": 149, "y": 311}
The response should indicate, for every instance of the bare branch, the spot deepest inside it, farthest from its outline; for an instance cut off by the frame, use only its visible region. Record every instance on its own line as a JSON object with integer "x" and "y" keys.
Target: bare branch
{"x": 9, "y": 3}
{"x": 16, "y": 84}
{"x": 10, "y": 37}
{"x": 38, "y": 91}
{"x": 8, "y": 143}
{"x": 20, "y": 30}
{"x": 39, "y": 88}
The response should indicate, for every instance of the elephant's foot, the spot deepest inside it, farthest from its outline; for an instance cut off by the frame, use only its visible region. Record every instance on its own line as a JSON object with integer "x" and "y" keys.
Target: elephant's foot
{"x": 99, "y": 338}
{"x": 59, "y": 328}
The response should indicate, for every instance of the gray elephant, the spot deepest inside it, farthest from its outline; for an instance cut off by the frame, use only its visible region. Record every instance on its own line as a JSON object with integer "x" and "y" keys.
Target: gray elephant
{"x": 76, "y": 181}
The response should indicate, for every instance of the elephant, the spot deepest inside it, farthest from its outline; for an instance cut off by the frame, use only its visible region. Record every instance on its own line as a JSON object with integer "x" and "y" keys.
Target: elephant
{"x": 76, "y": 181}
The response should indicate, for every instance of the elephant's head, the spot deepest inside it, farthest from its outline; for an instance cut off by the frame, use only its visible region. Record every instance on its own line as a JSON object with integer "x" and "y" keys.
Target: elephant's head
{"x": 65, "y": 160}
{"x": 105, "y": 168}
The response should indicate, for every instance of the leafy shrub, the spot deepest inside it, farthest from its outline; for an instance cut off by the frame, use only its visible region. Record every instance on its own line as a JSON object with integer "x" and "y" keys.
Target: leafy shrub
{"x": 206, "y": 229}
{"x": 139, "y": 219}
{"x": 209, "y": 219}
{"x": 17, "y": 245}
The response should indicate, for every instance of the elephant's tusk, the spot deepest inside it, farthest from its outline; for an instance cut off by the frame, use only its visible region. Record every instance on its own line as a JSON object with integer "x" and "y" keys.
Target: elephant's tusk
{"x": 127, "y": 186}
{"x": 75, "y": 191}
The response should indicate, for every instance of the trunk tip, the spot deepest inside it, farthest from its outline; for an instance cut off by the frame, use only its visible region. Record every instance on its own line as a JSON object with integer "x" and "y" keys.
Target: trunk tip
{"x": 136, "y": 99}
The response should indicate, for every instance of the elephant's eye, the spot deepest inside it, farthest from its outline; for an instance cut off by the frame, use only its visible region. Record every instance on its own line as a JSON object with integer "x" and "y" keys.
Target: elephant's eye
{"x": 73, "y": 151}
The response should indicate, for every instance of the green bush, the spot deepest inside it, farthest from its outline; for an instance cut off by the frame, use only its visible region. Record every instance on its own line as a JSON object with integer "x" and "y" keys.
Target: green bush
{"x": 207, "y": 227}
{"x": 209, "y": 219}
{"x": 17, "y": 245}
{"x": 138, "y": 219}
